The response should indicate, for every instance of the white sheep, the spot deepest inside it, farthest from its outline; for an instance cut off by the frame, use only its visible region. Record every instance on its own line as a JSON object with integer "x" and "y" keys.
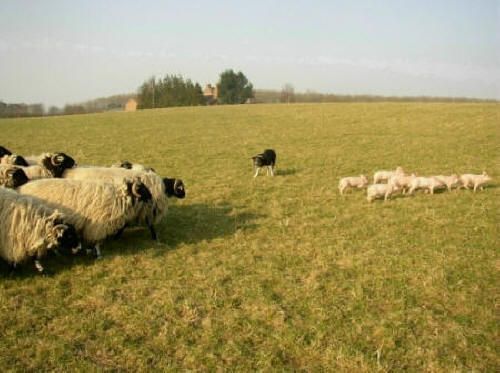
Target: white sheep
{"x": 352, "y": 182}
{"x": 427, "y": 183}
{"x": 12, "y": 176}
{"x": 402, "y": 182}
{"x": 160, "y": 189}
{"x": 379, "y": 190}
{"x": 29, "y": 228}
{"x": 384, "y": 175}
{"x": 96, "y": 209}
{"x": 448, "y": 181}
{"x": 48, "y": 166}
{"x": 477, "y": 181}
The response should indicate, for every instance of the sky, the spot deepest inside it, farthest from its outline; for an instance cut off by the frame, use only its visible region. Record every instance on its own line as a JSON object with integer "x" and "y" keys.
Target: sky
{"x": 58, "y": 52}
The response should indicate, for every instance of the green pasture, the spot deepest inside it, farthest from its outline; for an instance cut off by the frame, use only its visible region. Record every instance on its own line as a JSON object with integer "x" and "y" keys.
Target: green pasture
{"x": 272, "y": 274}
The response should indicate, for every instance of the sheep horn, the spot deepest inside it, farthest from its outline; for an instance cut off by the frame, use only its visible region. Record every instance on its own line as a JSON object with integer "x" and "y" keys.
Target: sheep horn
{"x": 56, "y": 159}
{"x": 135, "y": 188}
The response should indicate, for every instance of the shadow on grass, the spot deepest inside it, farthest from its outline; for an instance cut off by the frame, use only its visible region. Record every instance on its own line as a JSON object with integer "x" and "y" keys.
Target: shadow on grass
{"x": 187, "y": 224}
{"x": 287, "y": 172}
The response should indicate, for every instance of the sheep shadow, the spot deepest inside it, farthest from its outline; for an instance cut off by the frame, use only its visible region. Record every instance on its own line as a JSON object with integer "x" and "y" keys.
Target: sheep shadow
{"x": 183, "y": 224}
{"x": 201, "y": 222}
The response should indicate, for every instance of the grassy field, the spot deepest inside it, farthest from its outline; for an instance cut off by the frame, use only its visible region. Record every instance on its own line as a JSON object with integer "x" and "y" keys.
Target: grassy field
{"x": 273, "y": 274}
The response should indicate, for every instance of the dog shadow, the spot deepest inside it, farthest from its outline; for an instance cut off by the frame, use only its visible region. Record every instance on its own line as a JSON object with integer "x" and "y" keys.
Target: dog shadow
{"x": 183, "y": 224}
{"x": 286, "y": 172}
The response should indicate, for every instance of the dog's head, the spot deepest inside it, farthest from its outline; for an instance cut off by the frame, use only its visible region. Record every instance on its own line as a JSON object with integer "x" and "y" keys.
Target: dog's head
{"x": 259, "y": 160}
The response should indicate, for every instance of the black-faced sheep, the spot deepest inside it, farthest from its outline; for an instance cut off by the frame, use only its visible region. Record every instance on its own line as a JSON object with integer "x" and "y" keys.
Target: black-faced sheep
{"x": 12, "y": 176}
{"x": 49, "y": 166}
{"x": 13, "y": 159}
{"x": 151, "y": 213}
{"x": 29, "y": 228}
{"x": 60, "y": 158}
{"x": 97, "y": 209}
{"x": 4, "y": 151}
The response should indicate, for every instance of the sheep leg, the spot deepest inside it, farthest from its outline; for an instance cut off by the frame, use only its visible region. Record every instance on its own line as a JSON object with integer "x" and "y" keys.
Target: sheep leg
{"x": 119, "y": 233}
{"x": 256, "y": 172}
{"x": 38, "y": 266}
{"x": 270, "y": 168}
{"x": 77, "y": 249}
{"x": 154, "y": 236}
{"x": 97, "y": 251}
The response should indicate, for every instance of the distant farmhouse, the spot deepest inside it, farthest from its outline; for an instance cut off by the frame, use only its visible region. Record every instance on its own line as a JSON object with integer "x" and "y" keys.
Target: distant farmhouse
{"x": 131, "y": 105}
{"x": 210, "y": 94}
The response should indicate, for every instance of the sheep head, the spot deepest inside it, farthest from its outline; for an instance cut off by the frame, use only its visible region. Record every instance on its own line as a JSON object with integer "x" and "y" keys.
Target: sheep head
{"x": 66, "y": 236}
{"x": 4, "y": 151}
{"x": 57, "y": 163}
{"x": 18, "y": 177}
{"x": 137, "y": 190}
{"x": 125, "y": 164}
{"x": 174, "y": 187}
{"x": 19, "y": 161}
{"x": 13, "y": 177}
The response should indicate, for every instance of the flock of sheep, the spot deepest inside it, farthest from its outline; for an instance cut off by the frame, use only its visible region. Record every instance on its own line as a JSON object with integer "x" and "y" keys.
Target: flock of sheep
{"x": 48, "y": 202}
{"x": 399, "y": 180}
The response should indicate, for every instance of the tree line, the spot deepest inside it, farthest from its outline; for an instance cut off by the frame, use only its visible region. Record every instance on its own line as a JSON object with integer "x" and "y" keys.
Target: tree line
{"x": 174, "y": 90}
{"x": 288, "y": 95}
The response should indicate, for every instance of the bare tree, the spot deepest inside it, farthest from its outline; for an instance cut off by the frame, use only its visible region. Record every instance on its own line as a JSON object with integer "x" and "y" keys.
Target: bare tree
{"x": 287, "y": 93}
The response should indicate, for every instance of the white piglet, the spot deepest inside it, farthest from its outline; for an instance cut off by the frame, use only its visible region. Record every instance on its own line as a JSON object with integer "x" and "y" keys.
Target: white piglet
{"x": 352, "y": 182}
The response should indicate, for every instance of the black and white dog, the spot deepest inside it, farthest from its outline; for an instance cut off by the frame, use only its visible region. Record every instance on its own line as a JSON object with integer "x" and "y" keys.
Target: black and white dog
{"x": 267, "y": 158}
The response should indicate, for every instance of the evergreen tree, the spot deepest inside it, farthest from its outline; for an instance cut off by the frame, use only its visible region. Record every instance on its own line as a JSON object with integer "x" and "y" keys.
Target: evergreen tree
{"x": 234, "y": 88}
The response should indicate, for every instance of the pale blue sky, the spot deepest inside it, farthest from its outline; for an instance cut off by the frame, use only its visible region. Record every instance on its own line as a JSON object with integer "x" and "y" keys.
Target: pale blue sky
{"x": 58, "y": 52}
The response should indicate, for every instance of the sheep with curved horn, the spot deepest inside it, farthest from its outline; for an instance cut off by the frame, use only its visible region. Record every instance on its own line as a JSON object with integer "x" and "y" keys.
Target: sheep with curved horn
{"x": 29, "y": 228}
{"x": 97, "y": 209}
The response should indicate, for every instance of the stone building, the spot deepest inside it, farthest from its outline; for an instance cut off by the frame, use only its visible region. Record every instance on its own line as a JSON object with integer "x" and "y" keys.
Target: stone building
{"x": 131, "y": 105}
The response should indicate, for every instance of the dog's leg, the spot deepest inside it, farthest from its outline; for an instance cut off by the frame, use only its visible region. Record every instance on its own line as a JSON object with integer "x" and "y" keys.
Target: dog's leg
{"x": 270, "y": 168}
{"x": 256, "y": 172}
